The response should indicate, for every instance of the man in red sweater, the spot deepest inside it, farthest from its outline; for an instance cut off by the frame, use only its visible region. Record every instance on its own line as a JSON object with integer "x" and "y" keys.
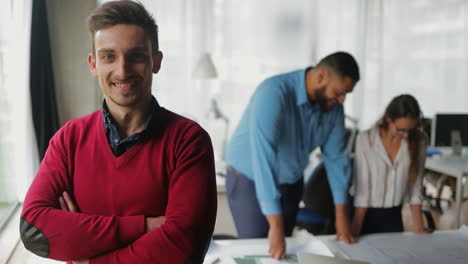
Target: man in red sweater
{"x": 133, "y": 182}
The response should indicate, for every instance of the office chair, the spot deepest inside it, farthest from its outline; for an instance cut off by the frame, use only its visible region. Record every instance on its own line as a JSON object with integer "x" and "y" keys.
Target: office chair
{"x": 318, "y": 215}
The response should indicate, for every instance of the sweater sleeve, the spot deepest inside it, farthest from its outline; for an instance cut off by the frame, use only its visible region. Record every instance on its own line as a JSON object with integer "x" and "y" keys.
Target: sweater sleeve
{"x": 50, "y": 232}
{"x": 190, "y": 213}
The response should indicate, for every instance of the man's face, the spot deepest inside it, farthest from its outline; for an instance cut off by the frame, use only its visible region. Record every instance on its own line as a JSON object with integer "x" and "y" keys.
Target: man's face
{"x": 124, "y": 64}
{"x": 334, "y": 91}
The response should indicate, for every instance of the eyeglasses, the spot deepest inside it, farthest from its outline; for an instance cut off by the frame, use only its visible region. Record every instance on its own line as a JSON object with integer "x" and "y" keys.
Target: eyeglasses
{"x": 403, "y": 131}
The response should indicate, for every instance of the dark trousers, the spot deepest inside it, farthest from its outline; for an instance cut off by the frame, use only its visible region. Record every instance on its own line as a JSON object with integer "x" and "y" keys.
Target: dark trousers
{"x": 248, "y": 218}
{"x": 382, "y": 220}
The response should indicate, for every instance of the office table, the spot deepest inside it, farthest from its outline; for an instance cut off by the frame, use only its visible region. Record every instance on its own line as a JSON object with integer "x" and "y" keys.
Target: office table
{"x": 224, "y": 251}
{"x": 449, "y": 247}
{"x": 396, "y": 248}
{"x": 455, "y": 167}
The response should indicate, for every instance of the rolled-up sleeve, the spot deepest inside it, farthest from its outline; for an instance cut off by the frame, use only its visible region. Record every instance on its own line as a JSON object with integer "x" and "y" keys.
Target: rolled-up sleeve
{"x": 336, "y": 160}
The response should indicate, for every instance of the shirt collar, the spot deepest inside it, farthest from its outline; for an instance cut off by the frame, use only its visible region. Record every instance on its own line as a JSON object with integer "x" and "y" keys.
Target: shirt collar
{"x": 149, "y": 122}
{"x": 302, "y": 99}
{"x": 378, "y": 145}
{"x": 301, "y": 92}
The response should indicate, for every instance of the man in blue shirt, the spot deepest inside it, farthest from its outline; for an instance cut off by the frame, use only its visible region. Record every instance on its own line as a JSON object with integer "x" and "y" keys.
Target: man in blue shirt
{"x": 288, "y": 116}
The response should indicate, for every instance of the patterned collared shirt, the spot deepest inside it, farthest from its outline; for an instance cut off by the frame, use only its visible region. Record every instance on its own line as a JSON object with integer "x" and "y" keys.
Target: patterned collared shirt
{"x": 120, "y": 146}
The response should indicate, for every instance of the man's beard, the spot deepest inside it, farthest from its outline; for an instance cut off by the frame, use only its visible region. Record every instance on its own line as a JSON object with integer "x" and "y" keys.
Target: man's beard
{"x": 322, "y": 100}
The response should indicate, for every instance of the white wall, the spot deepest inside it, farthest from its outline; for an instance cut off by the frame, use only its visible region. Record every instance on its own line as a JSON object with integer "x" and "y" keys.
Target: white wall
{"x": 77, "y": 90}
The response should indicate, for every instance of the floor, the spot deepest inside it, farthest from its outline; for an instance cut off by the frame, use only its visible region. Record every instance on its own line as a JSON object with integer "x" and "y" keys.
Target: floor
{"x": 22, "y": 256}
{"x": 5, "y": 210}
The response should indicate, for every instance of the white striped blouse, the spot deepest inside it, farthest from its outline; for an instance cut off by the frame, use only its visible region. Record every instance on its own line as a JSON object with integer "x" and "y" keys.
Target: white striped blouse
{"x": 377, "y": 182}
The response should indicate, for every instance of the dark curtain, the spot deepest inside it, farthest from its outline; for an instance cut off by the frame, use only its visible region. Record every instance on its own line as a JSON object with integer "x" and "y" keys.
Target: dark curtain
{"x": 43, "y": 102}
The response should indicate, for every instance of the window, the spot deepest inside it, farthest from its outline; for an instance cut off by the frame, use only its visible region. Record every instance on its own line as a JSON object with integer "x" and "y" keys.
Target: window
{"x": 8, "y": 199}
{"x": 417, "y": 47}
{"x": 19, "y": 158}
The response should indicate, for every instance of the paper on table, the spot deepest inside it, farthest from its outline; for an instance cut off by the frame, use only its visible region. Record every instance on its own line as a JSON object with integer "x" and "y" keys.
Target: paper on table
{"x": 464, "y": 229}
{"x": 211, "y": 260}
{"x": 439, "y": 247}
{"x": 306, "y": 258}
{"x": 290, "y": 259}
{"x": 302, "y": 241}
{"x": 271, "y": 261}
{"x": 305, "y": 242}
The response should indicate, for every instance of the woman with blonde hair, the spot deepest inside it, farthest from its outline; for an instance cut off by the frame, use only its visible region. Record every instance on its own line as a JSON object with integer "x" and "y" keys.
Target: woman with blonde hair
{"x": 388, "y": 169}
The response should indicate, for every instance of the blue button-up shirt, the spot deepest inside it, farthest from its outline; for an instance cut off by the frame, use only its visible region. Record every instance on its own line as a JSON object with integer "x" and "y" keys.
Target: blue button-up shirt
{"x": 276, "y": 134}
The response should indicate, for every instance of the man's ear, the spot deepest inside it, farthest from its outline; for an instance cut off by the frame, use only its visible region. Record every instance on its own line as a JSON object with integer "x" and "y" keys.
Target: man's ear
{"x": 92, "y": 64}
{"x": 157, "y": 58}
{"x": 323, "y": 76}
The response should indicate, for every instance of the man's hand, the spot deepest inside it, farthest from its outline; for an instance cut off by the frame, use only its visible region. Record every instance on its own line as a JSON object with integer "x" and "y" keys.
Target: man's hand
{"x": 277, "y": 242}
{"x": 343, "y": 230}
{"x": 81, "y": 262}
{"x": 276, "y": 239}
{"x": 67, "y": 204}
{"x": 154, "y": 222}
{"x": 422, "y": 230}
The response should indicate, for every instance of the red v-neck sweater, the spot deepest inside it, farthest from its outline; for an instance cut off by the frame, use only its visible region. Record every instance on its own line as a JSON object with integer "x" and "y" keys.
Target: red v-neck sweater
{"x": 170, "y": 174}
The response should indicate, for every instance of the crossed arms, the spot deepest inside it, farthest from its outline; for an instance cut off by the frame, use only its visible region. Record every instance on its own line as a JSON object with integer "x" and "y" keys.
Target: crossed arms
{"x": 51, "y": 232}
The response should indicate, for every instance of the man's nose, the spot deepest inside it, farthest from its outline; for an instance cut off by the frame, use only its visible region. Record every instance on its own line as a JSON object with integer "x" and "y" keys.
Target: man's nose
{"x": 123, "y": 69}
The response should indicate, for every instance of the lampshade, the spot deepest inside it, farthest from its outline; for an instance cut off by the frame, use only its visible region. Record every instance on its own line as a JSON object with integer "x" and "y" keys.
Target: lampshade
{"x": 205, "y": 68}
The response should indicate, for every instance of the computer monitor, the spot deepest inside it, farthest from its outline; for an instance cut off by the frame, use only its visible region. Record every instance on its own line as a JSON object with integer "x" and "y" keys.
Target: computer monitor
{"x": 444, "y": 131}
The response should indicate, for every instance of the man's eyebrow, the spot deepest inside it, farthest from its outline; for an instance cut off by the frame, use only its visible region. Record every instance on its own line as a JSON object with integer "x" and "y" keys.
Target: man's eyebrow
{"x": 139, "y": 49}
{"x": 105, "y": 50}
{"x": 109, "y": 50}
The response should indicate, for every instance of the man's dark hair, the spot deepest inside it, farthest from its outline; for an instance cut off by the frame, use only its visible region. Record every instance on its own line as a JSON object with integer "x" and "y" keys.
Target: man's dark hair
{"x": 123, "y": 12}
{"x": 341, "y": 63}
